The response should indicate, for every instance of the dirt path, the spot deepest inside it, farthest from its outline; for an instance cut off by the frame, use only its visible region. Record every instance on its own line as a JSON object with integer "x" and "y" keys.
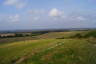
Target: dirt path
{"x": 36, "y": 52}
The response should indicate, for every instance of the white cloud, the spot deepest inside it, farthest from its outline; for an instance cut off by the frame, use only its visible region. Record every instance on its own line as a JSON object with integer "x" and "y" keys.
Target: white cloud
{"x": 81, "y": 18}
{"x": 36, "y": 11}
{"x": 20, "y": 5}
{"x": 55, "y": 12}
{"x": 10, "y": 2}
{"x": 16, "y": 3}
{"x": 14, "y": 18}
{"x": 36, "y": 18}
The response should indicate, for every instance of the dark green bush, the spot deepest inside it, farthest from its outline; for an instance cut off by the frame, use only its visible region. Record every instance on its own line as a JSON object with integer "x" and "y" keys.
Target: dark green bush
{"x": 60, "y": 38}
{"x": 90, "y": 34}
{"x": 78, "y": 35}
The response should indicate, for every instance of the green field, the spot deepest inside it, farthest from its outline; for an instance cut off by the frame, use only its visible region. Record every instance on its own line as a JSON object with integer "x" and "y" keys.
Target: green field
{"x": 49, "y": 49}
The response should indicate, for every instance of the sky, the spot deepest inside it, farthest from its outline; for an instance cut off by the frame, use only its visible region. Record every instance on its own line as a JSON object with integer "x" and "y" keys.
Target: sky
{"x": 47, "y": 14}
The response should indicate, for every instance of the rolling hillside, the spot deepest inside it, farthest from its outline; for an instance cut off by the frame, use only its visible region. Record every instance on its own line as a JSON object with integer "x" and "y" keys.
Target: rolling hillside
{"x": 49, "y": 49}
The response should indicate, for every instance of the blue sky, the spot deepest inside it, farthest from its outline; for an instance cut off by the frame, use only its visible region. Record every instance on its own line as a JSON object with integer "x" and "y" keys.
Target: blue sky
{"x": 47, "y": 14}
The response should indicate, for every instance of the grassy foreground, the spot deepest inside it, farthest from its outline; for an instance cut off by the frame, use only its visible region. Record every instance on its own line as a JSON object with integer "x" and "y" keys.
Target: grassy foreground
{"x": 48, "y": 51}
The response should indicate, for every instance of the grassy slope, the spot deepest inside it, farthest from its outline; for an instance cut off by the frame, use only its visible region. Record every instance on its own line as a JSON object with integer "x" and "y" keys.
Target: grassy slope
{"x": 70, "y": 52}
{"x": 61, "y": 34}
{"x": 12, "y": 51}
{"x": 48, "y": 51}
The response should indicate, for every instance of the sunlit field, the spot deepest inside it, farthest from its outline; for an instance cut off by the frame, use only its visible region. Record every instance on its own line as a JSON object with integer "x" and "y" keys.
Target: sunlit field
{"x": 51, "y": 48}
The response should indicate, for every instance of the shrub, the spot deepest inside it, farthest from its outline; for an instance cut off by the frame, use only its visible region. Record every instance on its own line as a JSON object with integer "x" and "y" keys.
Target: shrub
{"x": 90, "y": 34}
{"x": 60, "y": 38}
{"x": 78, "y": 35}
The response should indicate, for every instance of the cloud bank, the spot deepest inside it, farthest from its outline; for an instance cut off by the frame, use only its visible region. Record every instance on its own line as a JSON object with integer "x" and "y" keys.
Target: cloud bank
{"x": 16, "y": 3}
